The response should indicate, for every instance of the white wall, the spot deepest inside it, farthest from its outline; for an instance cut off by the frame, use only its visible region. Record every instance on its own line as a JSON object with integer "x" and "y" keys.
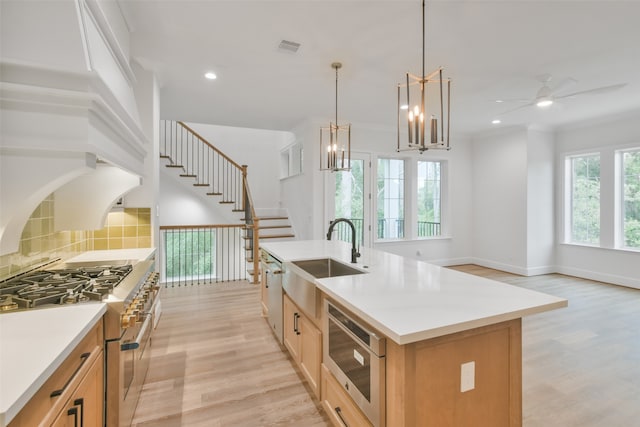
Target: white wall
{"x": 540, "y": 202}
{"x": 500, "y": 200}
{"x": 258, "y": 149}
{"x": 605, "y": 263}
{"x": 182, "y": 204}
{"x": 302, "y": 195}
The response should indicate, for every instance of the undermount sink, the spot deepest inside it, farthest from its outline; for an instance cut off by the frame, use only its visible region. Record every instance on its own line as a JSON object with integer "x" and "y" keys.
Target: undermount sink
{"x": 326, "y": 267}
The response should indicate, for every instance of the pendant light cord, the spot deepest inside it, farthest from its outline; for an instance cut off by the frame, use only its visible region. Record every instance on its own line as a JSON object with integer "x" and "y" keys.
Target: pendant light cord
{"x": 337, "y": 96}
{"x": 423, "y": 37}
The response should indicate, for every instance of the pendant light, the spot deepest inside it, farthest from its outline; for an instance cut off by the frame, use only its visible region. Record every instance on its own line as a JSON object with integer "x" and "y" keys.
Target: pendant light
{"x": 421, "y": 108}
{"x": 335, "y": 140}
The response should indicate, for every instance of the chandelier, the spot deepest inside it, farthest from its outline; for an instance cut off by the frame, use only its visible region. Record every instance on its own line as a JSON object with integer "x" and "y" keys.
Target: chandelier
{"x": 422, "y": 99}
{"x": 335, "y": 140}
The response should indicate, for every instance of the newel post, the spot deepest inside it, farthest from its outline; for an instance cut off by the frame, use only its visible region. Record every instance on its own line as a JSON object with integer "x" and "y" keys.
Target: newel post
{"x": 244, "y": 188}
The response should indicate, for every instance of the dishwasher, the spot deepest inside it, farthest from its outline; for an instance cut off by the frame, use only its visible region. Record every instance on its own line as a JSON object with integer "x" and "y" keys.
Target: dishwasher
{"x": 273, "y": 276}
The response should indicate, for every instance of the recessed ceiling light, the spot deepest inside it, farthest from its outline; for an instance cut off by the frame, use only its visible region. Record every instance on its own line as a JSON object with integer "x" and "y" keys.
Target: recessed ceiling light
{"x": 210, "y": 75}
{"x": 496, "y": 121}
{"x": 499, "y": 101}
{"x": 404, "y": 107}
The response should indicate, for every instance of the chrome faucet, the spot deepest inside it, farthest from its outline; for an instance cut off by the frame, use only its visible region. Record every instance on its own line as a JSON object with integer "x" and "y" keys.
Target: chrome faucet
{"x": 354, "y": 252}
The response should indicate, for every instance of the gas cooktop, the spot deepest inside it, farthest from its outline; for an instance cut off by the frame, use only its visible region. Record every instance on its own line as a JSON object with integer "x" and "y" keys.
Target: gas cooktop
{"x": 64, "y": 286}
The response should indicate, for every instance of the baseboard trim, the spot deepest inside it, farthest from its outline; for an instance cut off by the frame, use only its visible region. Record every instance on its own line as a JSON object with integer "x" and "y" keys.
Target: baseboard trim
{"x": 628, "y": 282}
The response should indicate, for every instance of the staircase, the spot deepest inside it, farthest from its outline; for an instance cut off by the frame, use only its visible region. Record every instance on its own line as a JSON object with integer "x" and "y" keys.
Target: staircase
{"x": 225, "y": 181}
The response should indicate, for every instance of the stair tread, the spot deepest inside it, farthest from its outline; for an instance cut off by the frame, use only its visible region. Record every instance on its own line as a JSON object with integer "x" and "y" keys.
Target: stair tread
{"x": 164, "y": 156}
{"x": 174, "y": 166}
{"x": 266, "y": 227}
{"x": 272, "y": 217}
{"x": 237, "y": 210}
{"x": 276, "y": 236}
{"x": 187, "y": 175}
{"x": 214, "y": 194}
{"x": 200, "y": 185}
{"x": 226, "y": 202}
{"x": 251, "y": 270}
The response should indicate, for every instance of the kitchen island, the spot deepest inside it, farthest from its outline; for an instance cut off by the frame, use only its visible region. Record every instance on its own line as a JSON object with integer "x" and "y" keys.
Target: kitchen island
{"x": 453, "y": 350}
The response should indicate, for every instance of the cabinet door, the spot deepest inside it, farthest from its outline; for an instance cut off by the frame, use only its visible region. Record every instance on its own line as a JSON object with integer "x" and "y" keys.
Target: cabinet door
{"x": 342, "y": 411}
{"x": 310, "y": 352}
{"x": 291, "y": 327}
{"x": 85, "y": 407}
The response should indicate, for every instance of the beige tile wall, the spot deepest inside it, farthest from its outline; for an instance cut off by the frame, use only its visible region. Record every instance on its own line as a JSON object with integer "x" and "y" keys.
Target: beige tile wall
{"x": 39, "y": 244}
{"x": 126, "y": 229}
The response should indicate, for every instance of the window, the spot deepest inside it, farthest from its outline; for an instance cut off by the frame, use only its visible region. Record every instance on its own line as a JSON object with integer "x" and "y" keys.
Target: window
{"x": 390, "y": 198}
{"x": 189, "y": 254}
{"x": 631, "y": 198}
{"x": 428, "y": 199}
{"x": 349, "y": 201}
{"x": 585, "y": 199}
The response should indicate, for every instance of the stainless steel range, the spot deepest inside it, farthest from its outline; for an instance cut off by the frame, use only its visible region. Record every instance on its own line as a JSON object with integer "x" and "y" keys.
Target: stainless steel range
{"x": 130, "y": 290}
{"x": 61, "y": 286}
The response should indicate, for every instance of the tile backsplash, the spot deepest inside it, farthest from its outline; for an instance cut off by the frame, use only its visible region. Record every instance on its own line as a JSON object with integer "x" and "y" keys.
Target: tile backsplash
{"x": 39, "y": 243}
{"x": 130, "y": 228}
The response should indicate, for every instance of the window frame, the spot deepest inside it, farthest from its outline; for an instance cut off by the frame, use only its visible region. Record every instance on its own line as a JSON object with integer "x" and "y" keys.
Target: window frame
{"x": 374, "y": 213}
{"x": 443, "y": 198}
{"x": 411, "y": 197}
{"x": 620, "y": 205}
{"x": 568, "y": 202}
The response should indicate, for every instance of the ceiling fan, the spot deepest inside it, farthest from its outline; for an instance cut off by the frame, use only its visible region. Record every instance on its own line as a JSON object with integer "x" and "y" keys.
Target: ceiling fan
{"x": 549, "y": 92}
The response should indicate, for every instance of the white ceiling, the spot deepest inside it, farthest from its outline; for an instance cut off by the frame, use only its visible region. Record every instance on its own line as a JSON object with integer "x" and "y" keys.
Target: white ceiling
{"x": 490, "y": 49}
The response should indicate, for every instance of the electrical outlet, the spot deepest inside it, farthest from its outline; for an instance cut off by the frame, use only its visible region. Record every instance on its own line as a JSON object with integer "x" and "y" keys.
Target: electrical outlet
{"x": 467, "y": 376}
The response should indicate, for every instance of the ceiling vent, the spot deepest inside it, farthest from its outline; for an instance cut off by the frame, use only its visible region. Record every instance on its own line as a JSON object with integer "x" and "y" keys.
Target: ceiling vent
{"x": 288, "y": 46}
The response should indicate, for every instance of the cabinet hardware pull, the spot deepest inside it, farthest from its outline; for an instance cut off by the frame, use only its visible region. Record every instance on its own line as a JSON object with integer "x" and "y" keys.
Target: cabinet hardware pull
{"x": 73, "y": 411}
{"x": 83, "y": 357}
{"x": 80, "y": 402}
{"x": 296, "y": 316}
{"x": 339, "y": 412}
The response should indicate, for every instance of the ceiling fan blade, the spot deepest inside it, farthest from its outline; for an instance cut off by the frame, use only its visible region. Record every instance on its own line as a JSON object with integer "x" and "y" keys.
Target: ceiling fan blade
{"x": 563, "y": 84}
{"x": 520, "y": 107}
{"x": 499, "y": 101}
{"x": 594, "y": 91}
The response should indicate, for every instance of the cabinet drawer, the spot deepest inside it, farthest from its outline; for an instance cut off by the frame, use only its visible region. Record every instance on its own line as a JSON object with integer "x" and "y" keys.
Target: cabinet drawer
{"x": 338, "y": 405}
{"x": 62, "y": 383}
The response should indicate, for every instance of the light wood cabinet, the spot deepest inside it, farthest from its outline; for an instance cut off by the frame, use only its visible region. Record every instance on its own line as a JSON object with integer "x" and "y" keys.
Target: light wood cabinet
{"x": 338, "y": 405}
{"x": 304, "y": 341}
{"x": 425, "y": 385}
{"x": 84, "y": 408}
{"x": 80, "y": 376}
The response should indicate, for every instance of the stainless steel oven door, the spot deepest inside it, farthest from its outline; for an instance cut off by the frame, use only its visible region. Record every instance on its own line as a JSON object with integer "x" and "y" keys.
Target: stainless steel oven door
{"x": 134, "y": 364}
{"x": 355, "y": 356}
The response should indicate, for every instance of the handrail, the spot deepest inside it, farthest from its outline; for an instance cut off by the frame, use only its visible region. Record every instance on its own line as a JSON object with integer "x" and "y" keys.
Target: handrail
{"x": 204, "y": 141}
{"x": 180, "y": 227}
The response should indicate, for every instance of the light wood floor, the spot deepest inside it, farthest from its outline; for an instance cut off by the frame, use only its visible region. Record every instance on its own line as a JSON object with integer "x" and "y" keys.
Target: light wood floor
{"x": 215, "y": 362}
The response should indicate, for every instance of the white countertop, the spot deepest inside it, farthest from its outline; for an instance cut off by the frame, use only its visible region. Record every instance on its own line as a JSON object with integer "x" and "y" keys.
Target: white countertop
{"x": 105, "y": 256}
{"x": 409, "y": 300}
{"x": 33, "y": 344}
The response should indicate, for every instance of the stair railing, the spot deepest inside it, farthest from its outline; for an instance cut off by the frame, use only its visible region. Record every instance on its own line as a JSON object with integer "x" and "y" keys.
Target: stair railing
{"x": 196, "y": 158}
{"x": 207, "y": 165}
{"x": 252, "y": 229}
{"x": 201, "y": 254}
